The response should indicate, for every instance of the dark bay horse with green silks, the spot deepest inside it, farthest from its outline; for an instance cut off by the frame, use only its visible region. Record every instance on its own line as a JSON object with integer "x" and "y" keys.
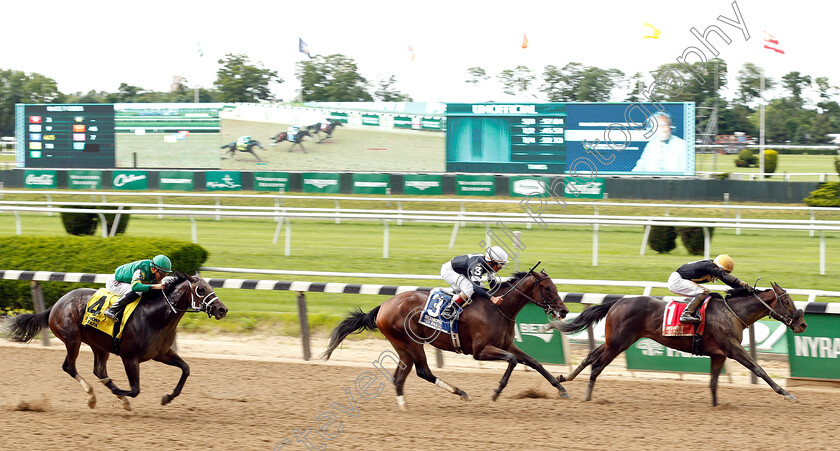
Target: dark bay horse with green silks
{"x": 629, "y": 319}
{"x": 486, "y": 330}
{"x": 148, "y": 334}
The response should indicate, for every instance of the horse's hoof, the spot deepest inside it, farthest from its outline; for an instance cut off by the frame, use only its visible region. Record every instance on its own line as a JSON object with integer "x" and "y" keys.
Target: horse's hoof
{"x": 561, "y": 378}
{"x": 564, "y": 394}
{"x": 165, "y": 400}
{"x": 464, "y": 395}
{"x": 92, "y": 402}
{"x": 790, "y": 397}
{"x": 495, "y": 396}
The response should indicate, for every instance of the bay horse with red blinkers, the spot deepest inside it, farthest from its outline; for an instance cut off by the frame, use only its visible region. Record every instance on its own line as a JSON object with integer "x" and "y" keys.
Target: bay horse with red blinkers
{"x": 486, "y": 330}
{"x": 148, "y": 334}
{"x": 631, "y": 318}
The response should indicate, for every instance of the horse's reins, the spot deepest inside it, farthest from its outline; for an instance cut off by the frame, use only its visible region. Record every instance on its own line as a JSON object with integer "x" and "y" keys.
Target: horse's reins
{"x": 206, "y": 300}
{"x": 545, "y": 305}
{"x": 786, "y": 320}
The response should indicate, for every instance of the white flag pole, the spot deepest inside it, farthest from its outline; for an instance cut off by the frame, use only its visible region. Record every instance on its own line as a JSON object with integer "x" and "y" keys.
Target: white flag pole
{"x": 761, "y": 131}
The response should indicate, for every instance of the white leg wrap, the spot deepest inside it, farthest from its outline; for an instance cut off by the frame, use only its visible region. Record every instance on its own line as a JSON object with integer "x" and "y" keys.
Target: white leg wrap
{"x": 444, "y": 385}
{"x": 401, "y": 401}
{"x": 84, "y": 383}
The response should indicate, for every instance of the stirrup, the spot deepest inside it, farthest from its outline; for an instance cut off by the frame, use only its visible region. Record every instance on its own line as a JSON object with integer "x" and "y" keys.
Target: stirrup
{"x": 689, "y": 319}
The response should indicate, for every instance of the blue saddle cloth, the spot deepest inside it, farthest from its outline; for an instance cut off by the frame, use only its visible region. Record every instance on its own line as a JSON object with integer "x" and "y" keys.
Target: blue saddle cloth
{"x": 430, "y": 316}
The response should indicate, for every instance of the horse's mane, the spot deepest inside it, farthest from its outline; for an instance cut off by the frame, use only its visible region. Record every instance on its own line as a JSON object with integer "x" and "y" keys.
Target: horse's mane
{"x": 741, "y": 291}
{"x": 515, "y": 277}
{"x": 173, "y": 280}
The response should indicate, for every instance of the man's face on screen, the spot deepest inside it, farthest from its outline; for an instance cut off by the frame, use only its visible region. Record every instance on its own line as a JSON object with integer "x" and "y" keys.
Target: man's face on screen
{"x": 663, "y": 128}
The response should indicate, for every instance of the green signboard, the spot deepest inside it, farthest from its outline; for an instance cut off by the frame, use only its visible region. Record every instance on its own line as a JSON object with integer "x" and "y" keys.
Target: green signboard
{"x": 475, "y": 185}
{"x": 815, "y": 353}
{"x": 593, "y": 189}
{"x": 339, "y": 116}
{"x": 370, "y": 119}
{"x": 223, "y": 181}
{"x": 130, "y": 180}
{"x": 532, "y": 336}
{"x": 422, "y": 184}
{"x": 528, "y": 186}
{"x": 648, "y": 355}
{"x": 176, "y": 180}
{"x": 402, "y": 121}
{"x": 271, "y": 181}
{"x": 84, "y": 179}
{"x": 40, "y": 179}
{"x": 321, "y": 182}
{"x": 371, "y": 184}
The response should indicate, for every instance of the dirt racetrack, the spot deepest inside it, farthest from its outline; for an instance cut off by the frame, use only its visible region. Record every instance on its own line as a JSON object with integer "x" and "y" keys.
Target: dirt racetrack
{"x": 234, "y": 401}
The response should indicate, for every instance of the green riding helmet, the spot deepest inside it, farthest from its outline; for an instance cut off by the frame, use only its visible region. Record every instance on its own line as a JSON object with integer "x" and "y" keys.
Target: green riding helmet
{"x": 162, "y": 263}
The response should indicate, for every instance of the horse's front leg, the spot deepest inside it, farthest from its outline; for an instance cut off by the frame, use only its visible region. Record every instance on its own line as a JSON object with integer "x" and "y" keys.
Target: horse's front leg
{"x": 714, "y": 370}
{"x": 171, "y": 358}
{"x": 530, "y": 361}
{"x": 739, "y": 354}
{"x": 491, "y": 352}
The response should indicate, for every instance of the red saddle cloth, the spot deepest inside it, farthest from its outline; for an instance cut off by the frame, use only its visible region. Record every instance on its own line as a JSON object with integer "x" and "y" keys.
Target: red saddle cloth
{"x": 671, "y": 325}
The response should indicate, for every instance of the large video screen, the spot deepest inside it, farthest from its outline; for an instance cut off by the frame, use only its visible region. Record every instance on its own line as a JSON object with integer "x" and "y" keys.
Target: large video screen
{"x": 418, "y": 137}
{"x": 565, "y": 138}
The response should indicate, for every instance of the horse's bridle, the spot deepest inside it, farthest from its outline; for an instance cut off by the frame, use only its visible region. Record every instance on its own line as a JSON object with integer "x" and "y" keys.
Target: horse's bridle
{"x": 544, "y": 304}
{"x": 203, "y": 304}
{"x": 786, "y": 319}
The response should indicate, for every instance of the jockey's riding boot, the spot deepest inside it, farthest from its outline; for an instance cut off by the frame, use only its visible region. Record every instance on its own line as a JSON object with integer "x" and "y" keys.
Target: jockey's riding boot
{"x": 451, "y": 310}
{"x": 120, "y": 304}
{"x": 688, "y": 315}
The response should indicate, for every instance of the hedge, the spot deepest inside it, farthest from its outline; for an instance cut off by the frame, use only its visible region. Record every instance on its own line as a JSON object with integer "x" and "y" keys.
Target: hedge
{"x": 84, "y": 254}
{"x": 827, "y": 195}
{"x": 662, "y": 239}
{"x": 693, "y": 239}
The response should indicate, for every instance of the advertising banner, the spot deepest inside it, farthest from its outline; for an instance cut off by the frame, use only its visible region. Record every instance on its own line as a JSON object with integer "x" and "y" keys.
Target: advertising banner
{"x": 177, "y": 180}
{"x": 533, "y": 337}
{"x": 371, "y": 183}
{"x": 815, "y": 353}
{"x": 402, "y": 121}
{"x": 593, "y": 189}
{"x": 321, "y": 182}
{"x": 427, "y": 184}
{"x": 271, "y": 181}
{"x": 130, "y": 180}
{"x": 648, "y": 355}
{"x": 223, "y": 181}
{"x": 526, "y": 186}
{"x": 370, "y": 119}
{"x": 45, "y": 179}
{"x": 84, "y": 179}
{"x": 475, "y": 185}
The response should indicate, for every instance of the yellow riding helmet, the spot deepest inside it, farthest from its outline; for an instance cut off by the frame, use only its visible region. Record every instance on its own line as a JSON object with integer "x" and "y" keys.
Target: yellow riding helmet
{"x": 725, "y": 262}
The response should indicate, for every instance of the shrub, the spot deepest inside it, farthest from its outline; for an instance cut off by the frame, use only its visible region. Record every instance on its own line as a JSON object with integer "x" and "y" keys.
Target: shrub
{"x": 746, "y": 159}
{"x": 693, "y": 239}
{"x": 85, "y": 255}
{"x": 837, "y": 165}
{"x": 827, "y": 195}
{"x": 79, "y": 223}
{"x": 771, "y": 160}
{"x": 85, "y": 223}
{"x": 662, "y": 239}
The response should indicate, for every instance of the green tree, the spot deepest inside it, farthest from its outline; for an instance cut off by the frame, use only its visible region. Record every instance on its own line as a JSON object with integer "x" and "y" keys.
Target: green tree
{"x": 516, "y": 81}
{"x": 386, "y": 91}
{"x": 240, "y": 81}
{"x": 332, "y": 78}
{"x": 578, "y": 83}
{"x": 476, "y": 75}
{"x": 749, "y": 84}
{"x": 19, "y": 87}
{"x": 795, "y": 83}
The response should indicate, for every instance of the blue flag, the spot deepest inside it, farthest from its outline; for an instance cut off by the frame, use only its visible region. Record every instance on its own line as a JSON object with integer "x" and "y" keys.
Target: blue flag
{"x": 304, "y": 48}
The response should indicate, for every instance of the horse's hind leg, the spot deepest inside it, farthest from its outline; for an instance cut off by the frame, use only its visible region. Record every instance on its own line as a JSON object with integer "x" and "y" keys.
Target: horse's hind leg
{"x": 586, "y": 362}
{"x": 400, "y": 374}
{"x": 530, "y": 361}
{"x": 171, "y": 358}
{"x": 100, "y": 369}
{"x": 424, "y": 372}
{"x": 73, "y": 341}
{"x": 717, "y": 364}
{"x": 490, "y": 352}
{"x": 599, "y": 363}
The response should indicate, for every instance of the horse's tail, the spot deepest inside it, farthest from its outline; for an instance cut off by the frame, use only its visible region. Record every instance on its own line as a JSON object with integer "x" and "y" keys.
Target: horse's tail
{"x": 23, "y": 328}
{"x": 585, "y": 319}
{"x": 355, "y": 323}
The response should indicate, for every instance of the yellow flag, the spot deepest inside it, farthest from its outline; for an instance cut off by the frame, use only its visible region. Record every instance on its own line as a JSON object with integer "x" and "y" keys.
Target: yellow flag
{"x": 656, "y": 31}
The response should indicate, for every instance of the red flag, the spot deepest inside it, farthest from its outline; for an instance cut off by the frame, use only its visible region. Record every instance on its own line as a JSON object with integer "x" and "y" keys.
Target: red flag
{"x": 411, "y": 49}
{"x": 524, "y": 41}
{"x": 772, "y": 43}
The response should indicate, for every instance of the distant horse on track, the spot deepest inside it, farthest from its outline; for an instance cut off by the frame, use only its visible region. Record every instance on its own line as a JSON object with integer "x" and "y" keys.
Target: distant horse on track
{"x": 629, "y": 319}
{"x": 148, "y": 334}
{"x": 326, "y": 128}
{"x": 486, "y": 330}
{"x": 249, "y": 148}
{"x": 284, "y": 136}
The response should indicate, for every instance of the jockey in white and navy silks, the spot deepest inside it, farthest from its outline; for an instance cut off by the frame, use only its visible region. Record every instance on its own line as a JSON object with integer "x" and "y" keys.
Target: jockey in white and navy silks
{"x": 687, "y": 278}
{"x": 465, "y": 273}
{"x": 291, "y": 132}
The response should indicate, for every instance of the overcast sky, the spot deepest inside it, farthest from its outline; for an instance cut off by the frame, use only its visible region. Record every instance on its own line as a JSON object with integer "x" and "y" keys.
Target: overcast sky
{"x": 86, "y": 45}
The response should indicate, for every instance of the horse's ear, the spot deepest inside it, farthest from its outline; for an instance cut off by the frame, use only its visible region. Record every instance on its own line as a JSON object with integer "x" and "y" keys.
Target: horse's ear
{"x": 197, "y": 275}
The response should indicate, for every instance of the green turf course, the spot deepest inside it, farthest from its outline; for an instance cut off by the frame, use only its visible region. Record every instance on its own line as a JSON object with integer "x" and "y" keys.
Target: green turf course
{"x": 790, "y": 258}
{"x": 707, "y": 162}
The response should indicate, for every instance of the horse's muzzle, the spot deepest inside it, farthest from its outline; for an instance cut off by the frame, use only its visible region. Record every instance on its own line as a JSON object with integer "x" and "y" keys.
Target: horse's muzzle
{"x": 220, "y": 312}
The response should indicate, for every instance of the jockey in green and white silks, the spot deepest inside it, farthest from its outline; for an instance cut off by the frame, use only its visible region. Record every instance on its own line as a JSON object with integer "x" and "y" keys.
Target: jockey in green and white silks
{"x": 242, "y": 143}
{"x": 137, "y": 277}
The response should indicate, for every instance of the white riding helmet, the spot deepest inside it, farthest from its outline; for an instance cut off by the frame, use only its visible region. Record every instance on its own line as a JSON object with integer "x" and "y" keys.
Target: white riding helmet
{"x": 496, "y": 254}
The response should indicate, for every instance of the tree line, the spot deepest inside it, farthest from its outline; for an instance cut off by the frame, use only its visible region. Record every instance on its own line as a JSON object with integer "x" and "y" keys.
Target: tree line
{"x": 806, "y": 112}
